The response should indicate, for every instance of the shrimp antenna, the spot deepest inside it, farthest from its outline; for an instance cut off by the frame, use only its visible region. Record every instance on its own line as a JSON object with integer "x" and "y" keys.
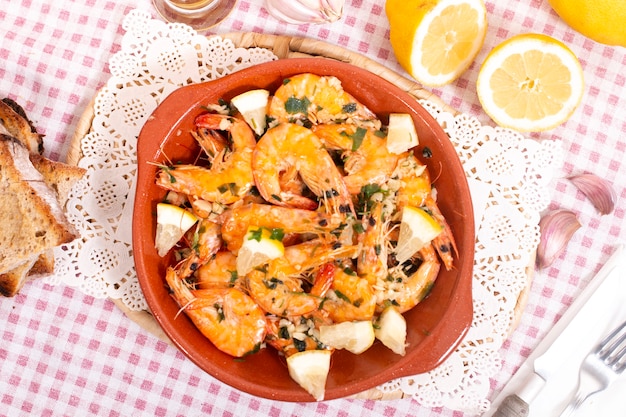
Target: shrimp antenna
{"x": 438, "y": 174}
{"x": 183, "y": 308}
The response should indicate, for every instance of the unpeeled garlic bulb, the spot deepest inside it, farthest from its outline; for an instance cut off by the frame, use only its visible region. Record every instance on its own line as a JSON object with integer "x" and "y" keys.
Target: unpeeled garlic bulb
{"x": 305, "y": 11}
{"x": 557, "y": 228}
{"x": 598, "y": 190}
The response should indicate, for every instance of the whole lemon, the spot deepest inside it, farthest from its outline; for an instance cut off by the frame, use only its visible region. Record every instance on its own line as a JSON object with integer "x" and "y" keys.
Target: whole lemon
{"x": 603, "y": 21}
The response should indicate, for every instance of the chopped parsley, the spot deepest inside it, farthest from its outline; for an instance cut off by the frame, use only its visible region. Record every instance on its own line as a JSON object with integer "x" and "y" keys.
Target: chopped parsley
{"x": 295, "y": 105}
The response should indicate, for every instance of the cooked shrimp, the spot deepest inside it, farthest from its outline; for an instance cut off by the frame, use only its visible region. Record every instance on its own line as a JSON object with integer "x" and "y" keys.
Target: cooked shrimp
{"x": 229, "y": 318}
{"x": 235, "y": 222}
{"x": 312, "y": 254}
{"x": 366, "y": 158}
{"x": 405, "y": 287}
{"x": 211, "y": 142}
{"x": 312, "y": 99}
{"x": 288, "y": 146}
{"x": 278, "y": 287}
{"x": 205, "y": 241}
{"x": 350, "y": 296}
{"x": 280, "y": 295}
{"x": 291, "y": 182}
{"x": 444, "y": 243}
{"x": 221, "y": 271}
{"x": 415, "y": 190}
{"x": 229, "y": 178}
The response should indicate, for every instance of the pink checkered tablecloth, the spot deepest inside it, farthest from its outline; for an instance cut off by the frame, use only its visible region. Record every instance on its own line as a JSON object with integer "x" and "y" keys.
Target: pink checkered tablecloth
{"x": 65, "y": 353}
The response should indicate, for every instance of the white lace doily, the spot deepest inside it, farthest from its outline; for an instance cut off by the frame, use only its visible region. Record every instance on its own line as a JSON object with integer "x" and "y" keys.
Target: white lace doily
{"x": 508, "y": 177}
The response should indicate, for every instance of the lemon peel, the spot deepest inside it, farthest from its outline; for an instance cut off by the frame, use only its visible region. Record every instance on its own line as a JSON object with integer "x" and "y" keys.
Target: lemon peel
{"x": 600, "y": 20}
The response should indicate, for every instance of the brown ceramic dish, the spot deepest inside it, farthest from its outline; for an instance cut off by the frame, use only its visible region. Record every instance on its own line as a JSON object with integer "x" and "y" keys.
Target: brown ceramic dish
{"x": 436, "y": 326}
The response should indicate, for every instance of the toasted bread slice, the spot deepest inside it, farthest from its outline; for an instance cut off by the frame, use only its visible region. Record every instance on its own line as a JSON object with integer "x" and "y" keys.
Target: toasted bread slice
{"x": 15, "y": 123}
{"x": 43, "y": 266}
{"x": 13, "y": 281}
{"x": 33, "y": 221}
{"x": 61, "y": 178}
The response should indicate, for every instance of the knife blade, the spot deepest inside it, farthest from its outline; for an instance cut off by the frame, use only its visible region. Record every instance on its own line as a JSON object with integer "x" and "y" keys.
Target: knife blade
{"x": 550, "y": 353}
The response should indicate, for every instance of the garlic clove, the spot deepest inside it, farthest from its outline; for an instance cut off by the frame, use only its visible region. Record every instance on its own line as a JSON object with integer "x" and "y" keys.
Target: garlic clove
{"x": 557, "y": 228}
{"x": 598, "y": 190}
{"x": 332, "y": 9}
{"x": 305, "y": 11}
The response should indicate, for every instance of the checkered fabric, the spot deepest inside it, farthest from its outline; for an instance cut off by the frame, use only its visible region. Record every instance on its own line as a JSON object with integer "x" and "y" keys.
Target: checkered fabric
{"x": 64, "y": 353}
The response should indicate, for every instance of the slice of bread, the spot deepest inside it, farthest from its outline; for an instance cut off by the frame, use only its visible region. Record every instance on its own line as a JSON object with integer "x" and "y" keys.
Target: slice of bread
{"x": 61, "y": 178}
{"x": 13, "y": 281}
{"x": 43, "y": 266}
{"x": 15, "y": 123}
{"x": 33, "y": 221}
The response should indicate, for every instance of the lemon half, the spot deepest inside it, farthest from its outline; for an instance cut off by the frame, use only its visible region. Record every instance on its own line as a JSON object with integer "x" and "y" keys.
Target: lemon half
{"x": 436, "y": 40}
{"x": 530, "y": 83}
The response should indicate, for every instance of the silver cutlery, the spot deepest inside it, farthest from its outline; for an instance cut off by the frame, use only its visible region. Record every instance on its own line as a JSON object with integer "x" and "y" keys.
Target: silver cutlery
{"x": 600, "y": 368}
{"x": 551, "y": 354}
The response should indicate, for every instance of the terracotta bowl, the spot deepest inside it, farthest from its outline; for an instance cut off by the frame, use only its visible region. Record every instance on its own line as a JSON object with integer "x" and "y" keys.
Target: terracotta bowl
{"x": 435, "y": 327}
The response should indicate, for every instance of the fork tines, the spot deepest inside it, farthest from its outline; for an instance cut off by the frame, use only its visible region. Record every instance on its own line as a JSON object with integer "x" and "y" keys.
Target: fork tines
{"x": 612, "y": 350}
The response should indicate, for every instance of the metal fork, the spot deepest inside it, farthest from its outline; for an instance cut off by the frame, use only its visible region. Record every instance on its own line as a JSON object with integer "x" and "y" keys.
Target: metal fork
{"x": 600, "y": 368}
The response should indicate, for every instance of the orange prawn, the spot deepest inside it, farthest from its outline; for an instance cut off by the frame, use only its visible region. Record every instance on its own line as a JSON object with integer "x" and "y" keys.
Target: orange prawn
{"x": 367, "y": 160}
{"x": 314, "y": 99}
{"x": 229, "y": 318}
{"x": 235, "y": 222}
{"x": 291, "y": 146}
{"x": 405, "y": 287}
{"x": 229, "y": 178}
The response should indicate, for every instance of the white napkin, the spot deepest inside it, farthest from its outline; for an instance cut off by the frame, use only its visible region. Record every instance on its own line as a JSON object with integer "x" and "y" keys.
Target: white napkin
{"x": 604, "y": 310}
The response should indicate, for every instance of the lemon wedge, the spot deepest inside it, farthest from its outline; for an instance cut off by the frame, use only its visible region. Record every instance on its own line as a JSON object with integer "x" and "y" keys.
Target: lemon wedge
{"x": 436, "y": 40}
{"x": 259, "y": 246}
{"x": 253, "y": 107}
{"x": 354, "y": 336}
{"x": 401, "y": 133}
{"x": 530, "y": 82}
{"x": 172, "y": 224}
{"x": 391, "y": 330}
{"x": 417, "y": 229}
{"x": 309, "y": 369}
